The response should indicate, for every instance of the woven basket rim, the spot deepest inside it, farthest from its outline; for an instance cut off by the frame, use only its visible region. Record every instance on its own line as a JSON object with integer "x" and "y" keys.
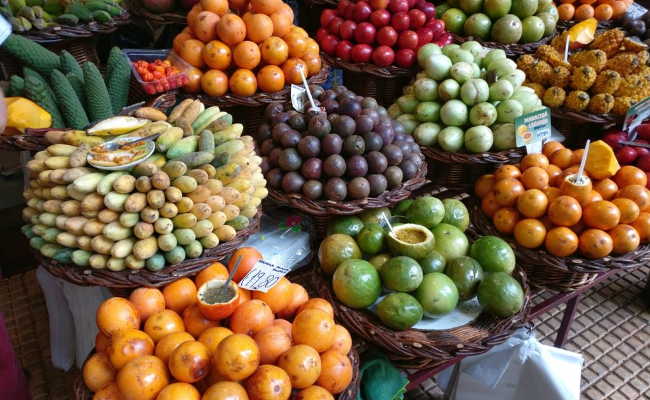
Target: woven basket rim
{"x": 62, "y": 33}
{"x": 514, "y": 49}
{"x": 389, "y": 72}
{"x": 579, "y": 117}
{"x": 85, "y": 276}
{"x": 498, "y": 157}
{"x": 574, "y": 264}
{"x": 172, "y": 17}
{"x": 330, "y": 207}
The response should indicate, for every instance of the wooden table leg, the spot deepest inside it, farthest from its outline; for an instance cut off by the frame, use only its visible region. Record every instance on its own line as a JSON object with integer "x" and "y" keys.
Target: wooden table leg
{"x": 567, "y": 319}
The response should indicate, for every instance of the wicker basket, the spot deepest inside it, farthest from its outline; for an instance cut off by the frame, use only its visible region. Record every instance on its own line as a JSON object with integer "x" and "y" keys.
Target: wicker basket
{"x": 460, "y": 170}
{"x": 310, "y": 13}
{"x": 178, "y": 17}
{"x": 144, "y": 277}
{"x": 512, "y": 50}
{"x": 385, "y": 84}
{"x": 561, "y": 274}
{"x": 580, "y": 125}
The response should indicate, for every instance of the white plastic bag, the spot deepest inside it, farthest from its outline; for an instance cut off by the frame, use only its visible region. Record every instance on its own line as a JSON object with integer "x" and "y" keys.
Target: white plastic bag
{"x": 520, "y": 369}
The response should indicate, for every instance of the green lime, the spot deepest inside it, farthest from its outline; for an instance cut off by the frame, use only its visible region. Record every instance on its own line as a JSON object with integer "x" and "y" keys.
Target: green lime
{"x": 356, "y": 283}
{"x": 379, "y": 260}
{"x": 376, "y": 215}
{"x": 371, "y": 238}
{"x": 456, "y": 214}
{"x": 335, "y": 249}
{"x": 349, "y": 225}
{"x": 402, "y": 274}
{"x": 410, "y": 240}
{"x": 451, "y": 242}
{"x": 466, "y": 273}
{"x": 434, "y": 262}
{"x": 427, "y": 211}
{"x": 437, "y": 294}
{"x": 501, "y": 294}
{"x": 402, "y": 206}
{"x": 399, "y": 311}
{"x": 494, "y": 254}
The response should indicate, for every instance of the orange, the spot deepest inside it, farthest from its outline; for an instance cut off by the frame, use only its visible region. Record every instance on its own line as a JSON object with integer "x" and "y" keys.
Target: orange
{"x": 237, "y": 357}
{"x": 101, "y": 342}
{"x": 190, "y": 362}
{"x": 618, "y": 8}
{"x": 192, "y": 14}
{"x": 532, "y": 203}
{"x": 292, "y": 68}
{"x": 507, "y": 171}
{"x": 162, "y": 324}
{"x": 507, "y": 190}
{"x": 489, "y": 204}
{"x": 98, "y": 372}
{"x": 314, "y": 328}
{"x": 535, "y": 178}
{"x": 505, "y": 220}
{"x": 277, "y": 297}
{"x": 193, "y": 84}
{"x": 217, "y": 55}
{"x": 554, "y": 172}
{"x": 179, "y": 39}
{"x": 274, "y": 51}
{"x": 147, "y": 301}
{"x": 561, "y": 241}
{"x": 179, "y": 391}
{"x": 205, "y": 25}
{"x": 336, "y": 372}
{"x": 637, "y": 193}
{"x": 166, "y": 346}
{"x": 297, "y": 297}
{"x": 110, "y": 392}
{"x": 299, "y": 31}
{"x": 219, "y": 7}
{"x": 564, "y": 211}
{"x": 211, "y": 337}
{"x": 606, "y": 187}
{"x": 284, "y": 324}
{"x": 297, "y": 44}
{"x": 484, "y": 185}
{"x": 281, "y": 23}
{"x": 265, "y": 6}
{"x": 530, "y": 233}
{"x": 214, "y": 271}
{"x": 313, "y": 62}
{"x": 583, "y": 12}
{"x": 342, "y": 340}
{"x": 566, "y": 11}
{"x": 593, "y": 196}
{"x": 272, "y": 342}
{"x": 191, "y": 51}
{"x": 642, "y": 225}
{"x": 534, "y": 160}
{"x": 312, "y": 47}
{"x": 595, "y": 243}
{"x": 244, "y": 296}
{"x": 259, "y": 27}
{"x": 180, "y": 294}
{"x": 572, "y": 170}
{"x": 225, "y": 391}
{"x": 603, "y": 12}
{"x": 303, "y": 364}
{"x": 269, "y": 383}
{"x": 142, "y": 378}
{"x": 214, "y": 83}
{"x": 251, "y": 317}
{"x": 602, "y": 215}
{"x": 552, "y": 193}
{"x": 217, "y": 308}
{"x": 247, "y": 258}
{"x": 551, "y": 147}
{"x": 231, "y": 29}
{"x": 246, "y": 55}
{"x": 577, "y": 156}
{"x": 117, "y": 313}
{"x": 286, "y": 10}
{"x": 630, "y": 175}
{"x": 195, "y": 322}
{"x": 561, "y": 158}
{"x": 240, "y": 5}
{"x": 629, "y": 210}
{"x": 128, "y": 344}
{"x": 319, "y": 304}
{"x": 314, "y": 393}
{"x": 625, "y": 238}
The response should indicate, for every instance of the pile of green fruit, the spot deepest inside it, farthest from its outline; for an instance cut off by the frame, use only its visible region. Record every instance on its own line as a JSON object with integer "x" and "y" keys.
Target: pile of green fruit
{"x": 73, "y": 94}
{"x": 503, "y": 21}
{"x": 25, "y": 15}
{"x": 425, "y": 264}
{"x": 466, "y": 98}
{"x": 200, "y": 187}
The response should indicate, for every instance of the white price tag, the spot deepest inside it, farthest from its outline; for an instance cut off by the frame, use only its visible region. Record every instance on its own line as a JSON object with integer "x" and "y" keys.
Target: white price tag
{"x": 298, "y": 97}
{"x": 635, "y": 117}
{"x": 263, "y": 276}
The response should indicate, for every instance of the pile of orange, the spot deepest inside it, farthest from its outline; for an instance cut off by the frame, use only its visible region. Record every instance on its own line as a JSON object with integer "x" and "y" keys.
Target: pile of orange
{"x": 159, "y": 345}
{"x": 528, "y": 201}
{"x": 243, "y": 46}
{"x": 602, "y": 10}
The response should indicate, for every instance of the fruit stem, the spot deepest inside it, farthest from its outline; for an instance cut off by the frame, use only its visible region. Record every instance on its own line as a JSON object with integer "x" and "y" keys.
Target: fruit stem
{"x": 583, "y": 162}
{"x": 232, "y": 272}
{"x": 304, "y": 82}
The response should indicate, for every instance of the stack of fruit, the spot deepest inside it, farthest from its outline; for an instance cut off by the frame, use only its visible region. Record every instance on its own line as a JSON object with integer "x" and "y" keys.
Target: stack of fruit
{"x": 607, "y": 77}
{"x": 631, "y": 155}
{"x": 384, "y": 32}
{"x": 543, "y": 203}
{"x": 638, "y": 26}
{"x": 200, "y": 340}
{"x": 351, "y": 151}
{"x": 602, "y": 10}
{"x": 423, "y": 262}
{"x": 466, "y": 98}
{"x": 502, "y": 21}
{"x": 41, "y": 15}
{"x": 191, "y": 194}
{"x": 75, "y": 94}
{"x": 225, "y": 49}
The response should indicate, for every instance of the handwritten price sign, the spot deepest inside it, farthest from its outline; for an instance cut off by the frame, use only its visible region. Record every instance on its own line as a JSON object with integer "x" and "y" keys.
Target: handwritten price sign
{"x": 263, "y": 276}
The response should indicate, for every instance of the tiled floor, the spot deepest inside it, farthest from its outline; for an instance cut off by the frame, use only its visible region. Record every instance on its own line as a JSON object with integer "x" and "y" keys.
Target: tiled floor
{"x": 611, "y": 330}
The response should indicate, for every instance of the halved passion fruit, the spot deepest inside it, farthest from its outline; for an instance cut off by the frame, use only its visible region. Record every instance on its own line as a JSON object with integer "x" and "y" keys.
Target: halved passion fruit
{"x": 411, "y": 240}
{"x": 217, "y": 301}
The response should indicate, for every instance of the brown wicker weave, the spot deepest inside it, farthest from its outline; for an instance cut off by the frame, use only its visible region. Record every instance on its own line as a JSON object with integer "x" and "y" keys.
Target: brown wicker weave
{"x": 62, "y": 33}
{"x": 144, "y": 277}
{"x": 572, "y": 123}
{"x": 559, "y": 273}
{"x": 177, "y": 16}
{"x": 512, "y": 50}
